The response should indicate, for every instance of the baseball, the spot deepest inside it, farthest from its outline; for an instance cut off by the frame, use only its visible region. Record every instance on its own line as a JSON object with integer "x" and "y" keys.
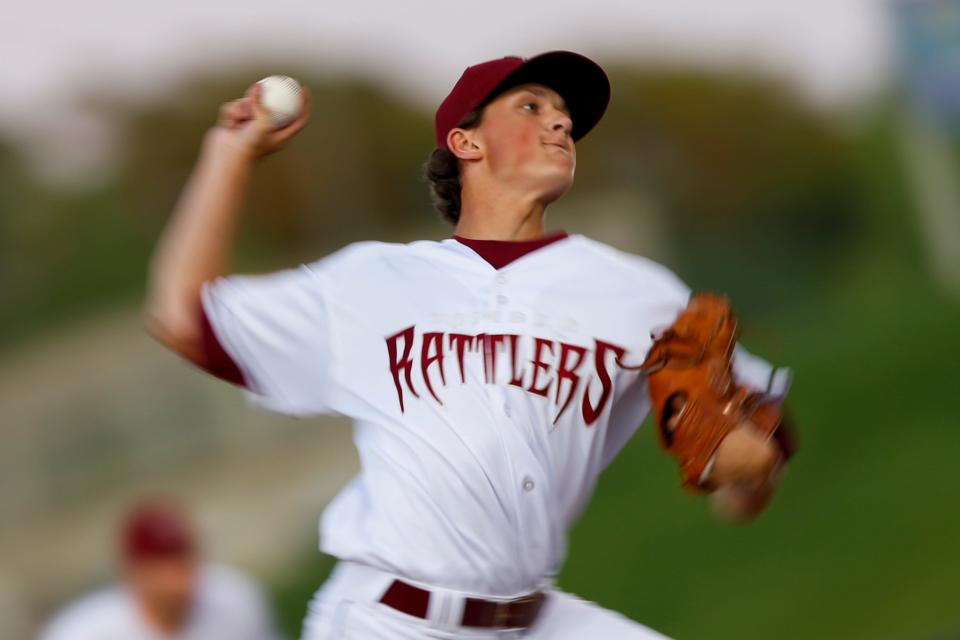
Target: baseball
{"x": 281, "y": 96}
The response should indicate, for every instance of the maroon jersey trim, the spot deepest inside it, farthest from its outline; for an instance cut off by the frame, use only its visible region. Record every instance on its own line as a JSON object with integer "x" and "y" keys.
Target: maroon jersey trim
{"x": 500, "y": 253}
{"x": 216, "y": 360}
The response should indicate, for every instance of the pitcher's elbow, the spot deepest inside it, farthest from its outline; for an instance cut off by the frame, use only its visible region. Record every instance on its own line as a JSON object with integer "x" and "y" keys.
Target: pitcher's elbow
{"x": 173, "y": 326}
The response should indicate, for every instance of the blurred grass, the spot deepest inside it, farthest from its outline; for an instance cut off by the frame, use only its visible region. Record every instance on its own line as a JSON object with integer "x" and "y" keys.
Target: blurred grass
{"x": 292, "y": 592}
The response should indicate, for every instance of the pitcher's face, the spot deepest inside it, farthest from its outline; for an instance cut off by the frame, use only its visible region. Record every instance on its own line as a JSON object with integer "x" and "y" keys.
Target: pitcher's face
{"x": 525, "y": 136}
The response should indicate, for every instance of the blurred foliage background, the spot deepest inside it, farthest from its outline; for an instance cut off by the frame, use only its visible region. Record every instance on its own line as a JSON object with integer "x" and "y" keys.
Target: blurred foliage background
{"x": 806, "y": 217}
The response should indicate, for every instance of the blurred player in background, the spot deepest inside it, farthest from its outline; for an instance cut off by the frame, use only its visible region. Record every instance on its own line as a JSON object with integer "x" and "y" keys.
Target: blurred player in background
{"x": 166, "y": 591}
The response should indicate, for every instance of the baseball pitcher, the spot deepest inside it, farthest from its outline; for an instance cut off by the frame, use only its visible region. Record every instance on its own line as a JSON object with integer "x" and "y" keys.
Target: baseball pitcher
{"x": 490, "y": 376}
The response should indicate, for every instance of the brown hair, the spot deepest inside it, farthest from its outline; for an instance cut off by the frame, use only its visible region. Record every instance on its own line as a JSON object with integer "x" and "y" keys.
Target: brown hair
{"x": 442, "y": 171}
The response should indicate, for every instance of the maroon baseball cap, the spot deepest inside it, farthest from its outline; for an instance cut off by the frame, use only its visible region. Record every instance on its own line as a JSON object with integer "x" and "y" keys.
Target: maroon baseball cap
{"x": 157, "y": 528}
{"x": 581, "y": 83}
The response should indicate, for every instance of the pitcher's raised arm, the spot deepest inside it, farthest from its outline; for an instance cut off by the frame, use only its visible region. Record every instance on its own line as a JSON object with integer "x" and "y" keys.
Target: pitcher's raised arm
{"x": 196, "y": 244}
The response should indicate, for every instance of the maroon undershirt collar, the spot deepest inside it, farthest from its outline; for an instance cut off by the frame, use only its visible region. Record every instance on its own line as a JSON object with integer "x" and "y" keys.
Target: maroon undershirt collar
{"x": 500, "y": 253}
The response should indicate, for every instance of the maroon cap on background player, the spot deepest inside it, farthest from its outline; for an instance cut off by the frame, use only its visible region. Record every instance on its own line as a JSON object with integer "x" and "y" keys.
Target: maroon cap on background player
{"x": 581, "y": 83}
{"x": 157, "y": 528}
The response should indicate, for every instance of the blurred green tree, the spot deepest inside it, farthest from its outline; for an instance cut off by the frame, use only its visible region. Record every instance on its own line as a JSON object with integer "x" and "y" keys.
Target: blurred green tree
{"x": 745, "y": 172}
{"x": 353, "y": 172}
{"x": 745, "y": 175}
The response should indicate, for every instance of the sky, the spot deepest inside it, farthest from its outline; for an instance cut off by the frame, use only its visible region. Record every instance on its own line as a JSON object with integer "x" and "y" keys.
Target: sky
{"x": 836, "y": 50}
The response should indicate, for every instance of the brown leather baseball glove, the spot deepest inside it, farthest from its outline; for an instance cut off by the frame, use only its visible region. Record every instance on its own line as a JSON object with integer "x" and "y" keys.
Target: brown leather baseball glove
{"x": 695, "y": 396}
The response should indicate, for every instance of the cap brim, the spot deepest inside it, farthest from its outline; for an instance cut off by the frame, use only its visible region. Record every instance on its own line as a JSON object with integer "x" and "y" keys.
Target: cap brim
{"x": 580, "y": 81}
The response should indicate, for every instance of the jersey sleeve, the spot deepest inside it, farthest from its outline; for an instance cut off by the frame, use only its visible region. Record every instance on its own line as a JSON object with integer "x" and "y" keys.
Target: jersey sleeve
{"x": 756, "y": 373}
{"x": 214, "y": 359}
{"x": 275, "y": 328}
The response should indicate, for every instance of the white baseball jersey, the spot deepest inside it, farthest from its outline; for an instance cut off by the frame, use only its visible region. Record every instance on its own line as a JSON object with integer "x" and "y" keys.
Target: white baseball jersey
{"x": 228, "y": 606}
{"x": 486, "y": 401}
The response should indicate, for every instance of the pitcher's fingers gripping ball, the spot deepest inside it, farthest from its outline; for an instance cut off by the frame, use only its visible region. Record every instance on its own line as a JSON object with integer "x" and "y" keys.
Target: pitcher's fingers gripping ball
{"x": 270, "y": 113}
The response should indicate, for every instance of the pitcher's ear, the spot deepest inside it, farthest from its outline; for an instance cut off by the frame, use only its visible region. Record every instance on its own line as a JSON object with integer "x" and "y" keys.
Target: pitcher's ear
{"x": 463, "y": 143}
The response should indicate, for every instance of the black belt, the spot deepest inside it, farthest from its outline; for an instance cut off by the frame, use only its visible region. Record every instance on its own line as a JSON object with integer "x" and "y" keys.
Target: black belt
{"x": 519, "y": 613}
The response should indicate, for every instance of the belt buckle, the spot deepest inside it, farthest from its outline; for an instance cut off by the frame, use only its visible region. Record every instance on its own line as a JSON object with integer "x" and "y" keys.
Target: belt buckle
{"x": 527, "y": 599}
{"x": 501, "y": 615}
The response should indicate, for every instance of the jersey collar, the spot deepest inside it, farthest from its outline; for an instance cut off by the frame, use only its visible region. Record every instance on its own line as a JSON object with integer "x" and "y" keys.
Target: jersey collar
{"x": 500, "y": 253}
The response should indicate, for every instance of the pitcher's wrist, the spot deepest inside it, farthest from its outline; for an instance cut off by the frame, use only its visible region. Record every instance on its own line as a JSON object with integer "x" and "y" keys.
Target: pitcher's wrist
{"x": 221, "y": 144}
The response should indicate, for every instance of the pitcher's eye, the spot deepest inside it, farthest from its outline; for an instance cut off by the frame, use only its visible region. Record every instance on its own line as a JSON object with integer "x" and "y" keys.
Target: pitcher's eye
{"x": 531, "y": 104}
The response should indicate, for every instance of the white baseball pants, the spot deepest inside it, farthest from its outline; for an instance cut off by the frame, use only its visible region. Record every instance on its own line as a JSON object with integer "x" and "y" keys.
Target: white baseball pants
{"x": 347, "y": 607}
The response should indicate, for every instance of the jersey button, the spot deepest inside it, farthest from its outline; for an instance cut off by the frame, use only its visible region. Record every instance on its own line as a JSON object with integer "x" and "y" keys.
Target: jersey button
{"x": 528, "y": 484}
{"x": 506, "y": 409}
{"x": 501, "y": 279}
{"x": 502, "y": 299}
